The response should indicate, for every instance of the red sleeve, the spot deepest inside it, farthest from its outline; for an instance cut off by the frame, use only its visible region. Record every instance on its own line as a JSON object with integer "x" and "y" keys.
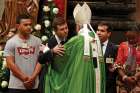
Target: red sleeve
{"x": 122, "y": 53}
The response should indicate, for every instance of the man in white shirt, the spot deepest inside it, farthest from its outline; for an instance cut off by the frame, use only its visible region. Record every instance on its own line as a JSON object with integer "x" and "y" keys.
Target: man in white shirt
{"x": 109, "y": 52}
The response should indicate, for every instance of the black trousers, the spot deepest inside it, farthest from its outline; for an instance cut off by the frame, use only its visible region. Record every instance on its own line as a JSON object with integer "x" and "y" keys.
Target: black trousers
{"x": 111, "y": 87}
{"x": 23, "y": 91}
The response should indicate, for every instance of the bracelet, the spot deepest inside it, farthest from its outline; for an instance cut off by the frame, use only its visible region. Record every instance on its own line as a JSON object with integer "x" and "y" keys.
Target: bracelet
{"x": 124, "y": 77}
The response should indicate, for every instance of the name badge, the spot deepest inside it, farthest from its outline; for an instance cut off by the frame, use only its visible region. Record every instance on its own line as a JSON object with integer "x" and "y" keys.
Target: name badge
{"x": 110, "y": 60}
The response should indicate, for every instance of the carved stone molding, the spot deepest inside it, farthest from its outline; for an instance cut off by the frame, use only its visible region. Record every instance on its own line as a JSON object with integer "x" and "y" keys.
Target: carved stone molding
{"x": 116, "y": 25}
{"x": 108, "y": 1}
{"x": 103, "y": 8}
{"x": 115, "y": 12}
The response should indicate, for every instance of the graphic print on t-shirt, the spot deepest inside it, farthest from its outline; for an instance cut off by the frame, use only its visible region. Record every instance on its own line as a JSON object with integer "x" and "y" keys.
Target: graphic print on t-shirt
{"x": 26, "y": 51}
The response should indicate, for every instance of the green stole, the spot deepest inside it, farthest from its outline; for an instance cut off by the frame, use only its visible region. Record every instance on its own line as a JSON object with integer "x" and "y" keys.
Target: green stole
{"x": 74, "y": 72}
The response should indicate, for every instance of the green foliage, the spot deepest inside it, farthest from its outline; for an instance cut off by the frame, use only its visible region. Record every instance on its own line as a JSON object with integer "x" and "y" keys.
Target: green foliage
{"x": 4, "y": 72}
{"x": 1, "y": 64}
{"x": 49, "y": 11}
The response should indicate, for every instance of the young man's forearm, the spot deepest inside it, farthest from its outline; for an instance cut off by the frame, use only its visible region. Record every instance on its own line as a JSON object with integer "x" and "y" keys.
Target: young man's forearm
{"x": 37, "y": 70}
{"x": 15, "y": 70}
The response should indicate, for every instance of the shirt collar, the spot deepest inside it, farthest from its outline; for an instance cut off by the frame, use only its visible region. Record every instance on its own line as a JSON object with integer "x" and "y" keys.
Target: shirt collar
{"x": 105, "y": 43}
{"x": 58, "y": 39}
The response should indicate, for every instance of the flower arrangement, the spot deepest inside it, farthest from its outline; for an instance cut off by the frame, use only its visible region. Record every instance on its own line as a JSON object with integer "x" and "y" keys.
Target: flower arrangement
{"x": 49, "y": 11}
{"x": 4, "y": 73}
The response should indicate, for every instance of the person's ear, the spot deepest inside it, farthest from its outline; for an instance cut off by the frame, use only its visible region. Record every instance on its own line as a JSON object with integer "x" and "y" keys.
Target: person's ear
{"x": 109, "y": 34}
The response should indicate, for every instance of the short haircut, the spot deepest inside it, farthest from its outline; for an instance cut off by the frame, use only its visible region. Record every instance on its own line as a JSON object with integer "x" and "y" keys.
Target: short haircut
{"x": 58, "y": 21}
{"x": 103, "y": 23}
{"x": 22, "y": 16}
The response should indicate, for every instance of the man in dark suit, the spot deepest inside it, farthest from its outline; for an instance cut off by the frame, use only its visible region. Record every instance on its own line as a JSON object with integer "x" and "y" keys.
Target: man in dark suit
{"x": 55, "y": 43}
{"x": 109, "y": 52}
{"x": 54, "y": 46}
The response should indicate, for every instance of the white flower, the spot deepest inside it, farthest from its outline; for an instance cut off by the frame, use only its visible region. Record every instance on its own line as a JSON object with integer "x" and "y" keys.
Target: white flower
{"x": 4, "y": 84}
{"x": 55, "y": 10}
{"x": 1, "y": 53}
{"x": 44, "y": 38}
{"x": 47, "y": 23}
{"x": 46, "y": 8}
{"x": 4, "y": 65}
{"x": 37, "y": 27}
{"x": 49, "y": 0}
{"x": 53, "y": 32}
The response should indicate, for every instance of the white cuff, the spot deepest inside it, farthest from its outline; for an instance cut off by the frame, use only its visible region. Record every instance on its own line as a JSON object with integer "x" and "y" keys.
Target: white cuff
{"x": 46, "y": 49}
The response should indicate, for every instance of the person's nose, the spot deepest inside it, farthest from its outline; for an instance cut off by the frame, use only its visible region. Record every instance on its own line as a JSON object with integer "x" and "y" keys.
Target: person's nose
{"x": 66, "y": 30}
{"x": 98, "y": 32}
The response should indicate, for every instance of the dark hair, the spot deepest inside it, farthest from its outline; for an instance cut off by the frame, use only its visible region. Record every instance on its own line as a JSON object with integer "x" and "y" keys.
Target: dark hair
{"x": 22, "y": 16}
{"x": 58, "y": 21}
{"x": 102, "y": 23}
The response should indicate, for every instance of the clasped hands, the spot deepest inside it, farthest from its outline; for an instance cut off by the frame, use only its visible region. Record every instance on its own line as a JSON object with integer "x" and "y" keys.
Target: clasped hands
{"x": 29, "y": 82}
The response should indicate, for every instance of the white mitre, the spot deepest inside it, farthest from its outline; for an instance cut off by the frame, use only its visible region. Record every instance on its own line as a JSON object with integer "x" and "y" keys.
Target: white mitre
{"x": 82, "y": 14}
{"x": 92, "y": 47}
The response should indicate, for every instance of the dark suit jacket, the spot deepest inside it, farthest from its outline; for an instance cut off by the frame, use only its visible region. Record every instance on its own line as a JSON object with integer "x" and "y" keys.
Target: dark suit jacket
{"x": 48, "y": 56}
{"x": 110, "y": 52}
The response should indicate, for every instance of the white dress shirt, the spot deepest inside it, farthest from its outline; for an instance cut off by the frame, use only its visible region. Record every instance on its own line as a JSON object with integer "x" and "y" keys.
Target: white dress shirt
{"x": 46, "y": 48}
{"x": 58, "y": 39}
{"x": 104, "y": 46}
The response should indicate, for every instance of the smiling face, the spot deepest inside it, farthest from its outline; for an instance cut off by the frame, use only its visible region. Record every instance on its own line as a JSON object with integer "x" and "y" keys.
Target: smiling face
{"x": 103, "y": 33}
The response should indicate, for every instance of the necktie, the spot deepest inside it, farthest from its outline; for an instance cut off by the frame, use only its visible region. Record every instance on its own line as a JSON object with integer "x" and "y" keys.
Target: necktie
{"x": 102, "y": 45}
{"x": 62, "y": 42}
